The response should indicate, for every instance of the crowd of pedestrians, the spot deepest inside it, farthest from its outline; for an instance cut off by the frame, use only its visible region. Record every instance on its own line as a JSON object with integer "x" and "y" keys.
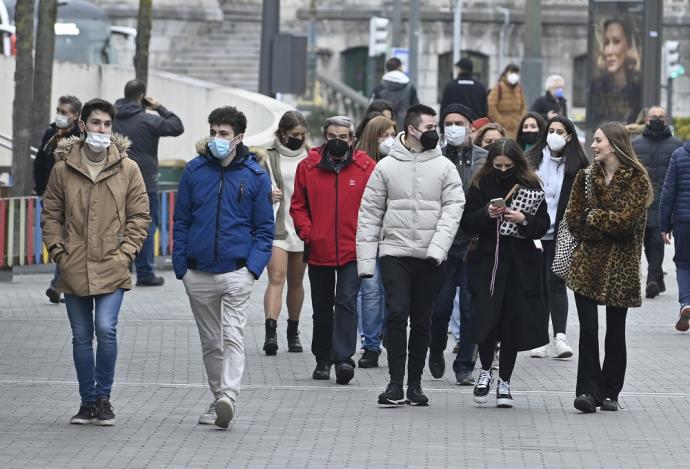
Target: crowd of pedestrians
{"x": 401, "y": 223}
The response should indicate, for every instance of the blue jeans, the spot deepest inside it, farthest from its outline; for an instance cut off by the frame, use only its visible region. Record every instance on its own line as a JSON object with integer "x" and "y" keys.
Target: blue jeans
{"x": 455, "y": 276}
{"x": 95, "y": 376}
{"x": 371, "y": 307}
{"x": 144, "y": 260}
{"x": 681, "y": 236}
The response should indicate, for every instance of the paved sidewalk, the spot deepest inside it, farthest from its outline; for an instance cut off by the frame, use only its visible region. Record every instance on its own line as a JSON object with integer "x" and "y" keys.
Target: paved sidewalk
{"x": 286, "y": 420}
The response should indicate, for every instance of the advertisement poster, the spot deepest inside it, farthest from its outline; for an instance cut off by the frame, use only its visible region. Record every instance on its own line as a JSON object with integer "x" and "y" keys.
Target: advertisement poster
{"x": 615, "y": 52}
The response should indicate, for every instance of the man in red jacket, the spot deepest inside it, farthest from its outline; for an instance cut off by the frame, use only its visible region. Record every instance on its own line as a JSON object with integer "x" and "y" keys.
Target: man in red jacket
{"x": 328, "y": 190}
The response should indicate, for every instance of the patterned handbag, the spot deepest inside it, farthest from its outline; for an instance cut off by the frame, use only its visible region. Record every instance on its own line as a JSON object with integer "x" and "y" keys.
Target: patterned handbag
{"x": 566, "y": 243}
{"x": 525, "y": 200}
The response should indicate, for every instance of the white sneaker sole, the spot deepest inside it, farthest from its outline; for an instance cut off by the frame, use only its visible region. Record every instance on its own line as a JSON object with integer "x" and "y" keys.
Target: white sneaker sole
{"x": 74, "y": 421}
{"x": 224, "y": 413}
{"x": 480, "y": 399}
{"x": 504, "y": 403}
{"x": 392, "y": 404}
{"x": 105, "y": 423}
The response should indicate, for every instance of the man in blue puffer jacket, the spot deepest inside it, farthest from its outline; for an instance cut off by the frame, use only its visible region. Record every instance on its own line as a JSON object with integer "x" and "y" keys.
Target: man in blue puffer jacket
{"x": 674, "y": 215}
{"x": 223, "y": 234}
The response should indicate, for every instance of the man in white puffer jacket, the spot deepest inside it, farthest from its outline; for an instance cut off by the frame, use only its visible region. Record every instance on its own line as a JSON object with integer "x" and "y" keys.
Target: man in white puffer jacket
{"x": 409, "y": 215}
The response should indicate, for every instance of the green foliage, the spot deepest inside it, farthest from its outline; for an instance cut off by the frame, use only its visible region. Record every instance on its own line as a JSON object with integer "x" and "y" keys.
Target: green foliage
{"x": 315, "y": 119}
{"x": 681, "y": 127}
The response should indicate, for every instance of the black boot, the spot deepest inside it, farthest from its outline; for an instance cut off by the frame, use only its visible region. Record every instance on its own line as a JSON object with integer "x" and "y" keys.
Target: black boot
{"x": 271, "y": 342}
{"x": 294, "y": 345}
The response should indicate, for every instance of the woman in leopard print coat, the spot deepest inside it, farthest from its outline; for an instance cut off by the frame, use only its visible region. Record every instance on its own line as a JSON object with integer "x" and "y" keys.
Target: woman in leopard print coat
{"x": 606, "y": 213}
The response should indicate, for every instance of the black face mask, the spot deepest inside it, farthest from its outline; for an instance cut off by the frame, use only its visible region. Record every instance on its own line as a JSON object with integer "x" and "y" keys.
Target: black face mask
{"x": 337, "y": 148}
{"x": 294, "y": 143}
{"x": 507, "y": 174}
{"x": 429, "y": 139}
{"x": 530, "y": 138}
{"x": 656, "y": 125}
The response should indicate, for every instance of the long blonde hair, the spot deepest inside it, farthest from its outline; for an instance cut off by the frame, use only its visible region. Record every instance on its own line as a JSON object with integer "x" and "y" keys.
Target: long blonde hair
{"x": 371, "y": 133}
{"x": 619, "y": 139}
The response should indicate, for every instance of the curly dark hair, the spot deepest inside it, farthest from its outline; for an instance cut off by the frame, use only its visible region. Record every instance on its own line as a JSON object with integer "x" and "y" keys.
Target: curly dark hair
{"x": 97, "y": 104}
{"x": 231, "y": 116}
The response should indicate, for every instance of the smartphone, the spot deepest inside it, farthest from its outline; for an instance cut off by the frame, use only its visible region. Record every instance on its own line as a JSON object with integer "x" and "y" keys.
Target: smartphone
{"x": 498, "y": 202}
{"x": 146, "y": 102}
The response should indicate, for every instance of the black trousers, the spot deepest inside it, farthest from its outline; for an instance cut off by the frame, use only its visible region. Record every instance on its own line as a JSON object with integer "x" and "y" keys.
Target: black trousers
{"x": 592, "y": 378}
{"x": 553, "y": 290}
{"x": 334, "y": 301}
{"x": 654, "y": 252}
{"x": 506, "y": 358}
{"x": 411, "y": 287}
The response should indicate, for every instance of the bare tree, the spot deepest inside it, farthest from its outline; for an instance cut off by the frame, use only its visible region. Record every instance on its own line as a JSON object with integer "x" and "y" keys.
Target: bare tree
{"x": 22, "y": 107}
{"x": 43, "y": 67}
{"x": 141, "y": 57}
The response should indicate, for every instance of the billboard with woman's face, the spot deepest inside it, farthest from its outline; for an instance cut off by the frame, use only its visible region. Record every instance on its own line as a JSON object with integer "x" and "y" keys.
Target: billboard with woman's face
{"x": 615, "y": 51}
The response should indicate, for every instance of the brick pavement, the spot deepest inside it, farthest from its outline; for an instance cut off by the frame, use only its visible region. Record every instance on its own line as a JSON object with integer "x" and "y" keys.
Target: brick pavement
{"x": 287, "y": 420}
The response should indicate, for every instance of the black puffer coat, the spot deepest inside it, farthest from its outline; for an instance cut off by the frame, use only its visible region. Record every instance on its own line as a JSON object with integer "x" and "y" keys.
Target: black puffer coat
{"x": 654, "y": 150}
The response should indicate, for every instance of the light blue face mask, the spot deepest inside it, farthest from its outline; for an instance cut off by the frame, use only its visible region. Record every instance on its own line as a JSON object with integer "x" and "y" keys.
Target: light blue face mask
{"x": 558, "y": 93}
{"x": 220, "y": 148}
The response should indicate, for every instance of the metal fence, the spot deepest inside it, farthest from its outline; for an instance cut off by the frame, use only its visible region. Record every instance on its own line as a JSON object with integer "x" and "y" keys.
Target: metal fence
{"x": 21, "y": 240}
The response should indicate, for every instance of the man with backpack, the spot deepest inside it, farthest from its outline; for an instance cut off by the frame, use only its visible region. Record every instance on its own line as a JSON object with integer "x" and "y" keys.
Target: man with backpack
{"x": 397, "y": 89}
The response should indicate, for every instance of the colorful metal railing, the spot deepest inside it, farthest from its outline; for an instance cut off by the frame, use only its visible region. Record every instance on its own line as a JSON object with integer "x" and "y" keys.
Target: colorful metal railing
{"x": 21, "y": 241}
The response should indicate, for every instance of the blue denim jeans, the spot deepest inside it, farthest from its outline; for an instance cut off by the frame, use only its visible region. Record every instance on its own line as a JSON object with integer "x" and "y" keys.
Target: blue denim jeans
{"x": 455, "y": 276}
{"x": 371, "y": 307}
{"x": 144, "y": 260}
{"x": 681, "y": 236}
{"x": 95, "y": 374}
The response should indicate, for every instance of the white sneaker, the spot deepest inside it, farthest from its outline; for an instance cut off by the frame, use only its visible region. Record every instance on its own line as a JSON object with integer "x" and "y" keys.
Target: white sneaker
{"x": 209, "y": 416}
{"x": 561, "y": 348}
{"x": 225, "y": 411}
{"x": 540, "y": 352}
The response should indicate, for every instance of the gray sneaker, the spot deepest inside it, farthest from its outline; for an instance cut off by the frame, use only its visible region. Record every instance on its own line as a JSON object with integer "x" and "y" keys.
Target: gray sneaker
{"x": 225, "y": 411}
{"x": 209, "y": 416}
{"x": 464, "y": 378}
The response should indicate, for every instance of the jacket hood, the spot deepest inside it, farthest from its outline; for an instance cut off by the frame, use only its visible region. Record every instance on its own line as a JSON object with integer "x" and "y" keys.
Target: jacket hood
{"x": 400, "y": 152}
{"x": 686, "y": 146}
{"x": 397, "y": 77}
{"x": 65, "y": 147}
{"x": 127, "y": 108}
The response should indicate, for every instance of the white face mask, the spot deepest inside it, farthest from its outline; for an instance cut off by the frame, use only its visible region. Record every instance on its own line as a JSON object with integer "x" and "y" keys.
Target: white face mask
{"x": 555, "y": 142}
{"x": 385, "y": 146}
{"x": 456, "y": 135}
{"x": 97, "y": 142}
{"x": 513, "y": 78}
{"x": 62, "y": 122}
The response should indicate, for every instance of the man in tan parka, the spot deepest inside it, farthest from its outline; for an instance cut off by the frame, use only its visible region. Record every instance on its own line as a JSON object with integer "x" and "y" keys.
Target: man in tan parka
{"x": 94, "y": 220}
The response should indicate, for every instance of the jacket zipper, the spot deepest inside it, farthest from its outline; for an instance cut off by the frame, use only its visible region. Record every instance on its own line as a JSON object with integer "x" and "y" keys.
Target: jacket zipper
{"x": 220, "y": 192}
{"x": 337, "y": 204}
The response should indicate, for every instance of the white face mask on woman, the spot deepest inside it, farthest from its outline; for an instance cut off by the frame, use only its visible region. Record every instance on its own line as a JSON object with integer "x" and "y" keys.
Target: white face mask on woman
{"x": 385, "y": 146}
{"x": 555, "y": 142}
{"x": 513, "y": 78}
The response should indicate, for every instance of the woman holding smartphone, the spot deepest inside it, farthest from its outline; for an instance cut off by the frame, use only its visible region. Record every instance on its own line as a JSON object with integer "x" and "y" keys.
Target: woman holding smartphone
{"x": 606, "y": 213}
{"x": 505, "y": 271}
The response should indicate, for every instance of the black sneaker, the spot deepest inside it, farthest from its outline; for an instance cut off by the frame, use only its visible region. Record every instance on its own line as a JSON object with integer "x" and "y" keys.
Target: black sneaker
{"x": 370, "y": 359}
{"x": 344, "y": 372}
{"x": 322, "y": 370}
{"x": 610, "y": 405}
{"x": 585, "y": 404}
{"x": 53, "y": 295}
{"x": 415, "y": 395}
{"x": 392, "y": 397}
{"x": 483, "y": 386}
{"x": 503, "y": 398}
{"x": 437, "y": 364}
{"x": 104, "y": 412}
{"x": 464, "y": 378}
{"x": 152, "y": 281}
{"x": 86, "y": 415}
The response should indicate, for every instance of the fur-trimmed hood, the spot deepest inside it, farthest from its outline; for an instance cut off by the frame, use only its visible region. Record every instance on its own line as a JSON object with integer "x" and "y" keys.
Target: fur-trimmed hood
{"x": 64, "y": 148}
